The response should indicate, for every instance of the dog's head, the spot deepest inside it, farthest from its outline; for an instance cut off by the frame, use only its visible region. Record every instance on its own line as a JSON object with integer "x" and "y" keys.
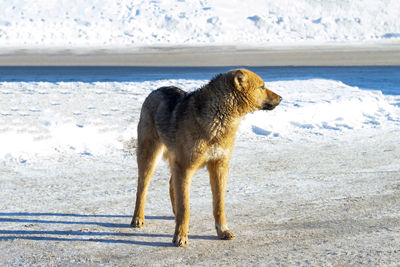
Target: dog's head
{"x": 253, "y": 88}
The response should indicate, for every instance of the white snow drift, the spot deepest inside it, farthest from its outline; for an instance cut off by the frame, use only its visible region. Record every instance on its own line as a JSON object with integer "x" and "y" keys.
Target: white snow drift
{"x": 100, "y": 118}
{"x": 128, "y": 23}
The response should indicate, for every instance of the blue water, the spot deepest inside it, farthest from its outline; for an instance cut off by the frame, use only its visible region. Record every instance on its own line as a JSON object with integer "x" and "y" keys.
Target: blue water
{"x": 385, "y": 79}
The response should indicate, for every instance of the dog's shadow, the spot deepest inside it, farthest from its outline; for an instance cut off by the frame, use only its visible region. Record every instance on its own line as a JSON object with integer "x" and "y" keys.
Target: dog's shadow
{"x": 30, "y": 219}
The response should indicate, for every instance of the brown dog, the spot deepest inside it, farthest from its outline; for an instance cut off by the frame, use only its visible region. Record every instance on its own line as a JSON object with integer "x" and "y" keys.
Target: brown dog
{"x": 193, "y": 130}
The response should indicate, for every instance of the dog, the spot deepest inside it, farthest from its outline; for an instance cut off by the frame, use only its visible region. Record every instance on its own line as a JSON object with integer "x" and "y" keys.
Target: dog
{"x": 192, "y": 130}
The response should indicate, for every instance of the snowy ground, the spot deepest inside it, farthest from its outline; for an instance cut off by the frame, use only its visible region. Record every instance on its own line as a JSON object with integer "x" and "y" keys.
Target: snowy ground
{"x": 331, "y": 203}
{"x": 314, "y": 182}
{"x": 128, "y": 23}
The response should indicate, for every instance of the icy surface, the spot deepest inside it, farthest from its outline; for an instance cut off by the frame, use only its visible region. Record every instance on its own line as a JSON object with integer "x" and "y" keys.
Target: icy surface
{"x": 128, "y": 23}
{"x": 100, "y": 118}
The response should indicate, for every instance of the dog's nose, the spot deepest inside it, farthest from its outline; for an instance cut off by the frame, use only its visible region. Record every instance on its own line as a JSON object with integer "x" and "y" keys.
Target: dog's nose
{"x": 280, "y": 98}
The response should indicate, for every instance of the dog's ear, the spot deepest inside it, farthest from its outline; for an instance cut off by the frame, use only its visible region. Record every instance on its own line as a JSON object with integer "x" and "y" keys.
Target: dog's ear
{"x": 239, "y": 79}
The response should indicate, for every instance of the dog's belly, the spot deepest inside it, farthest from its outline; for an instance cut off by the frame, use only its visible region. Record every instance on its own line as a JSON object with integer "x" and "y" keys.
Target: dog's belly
{"x": 216, "y": 152}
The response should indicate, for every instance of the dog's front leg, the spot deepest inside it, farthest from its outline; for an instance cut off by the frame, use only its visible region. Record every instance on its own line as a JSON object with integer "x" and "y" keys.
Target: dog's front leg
{"x": 181, "y": 182}
{"x": 218, "y": 171}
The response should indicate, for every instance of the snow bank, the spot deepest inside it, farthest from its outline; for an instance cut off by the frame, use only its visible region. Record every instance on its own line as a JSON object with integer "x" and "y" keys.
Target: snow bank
{"x": 99, "y": 118}
{"x": 128, "y": 23}
{"x": 323, "y": 108}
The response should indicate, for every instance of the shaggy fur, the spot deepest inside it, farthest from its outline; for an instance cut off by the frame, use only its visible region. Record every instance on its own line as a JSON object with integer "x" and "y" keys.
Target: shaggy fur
{"x": 193, "y": 130}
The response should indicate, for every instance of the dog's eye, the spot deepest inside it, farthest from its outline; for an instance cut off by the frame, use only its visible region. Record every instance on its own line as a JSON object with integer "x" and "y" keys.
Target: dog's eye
{"x": 263, "y": 87}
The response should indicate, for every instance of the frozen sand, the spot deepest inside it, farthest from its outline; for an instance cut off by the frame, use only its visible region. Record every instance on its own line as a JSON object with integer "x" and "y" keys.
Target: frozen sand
{"x": 329, "y": 203}
{"x": 383, "y": 54}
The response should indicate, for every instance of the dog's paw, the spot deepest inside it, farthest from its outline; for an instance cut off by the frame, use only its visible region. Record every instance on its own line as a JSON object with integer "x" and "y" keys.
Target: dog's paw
{"x": 226, "y": 235}
{"x": 180, "y": 241}
{"x": 223, "y": 232}
{"x": 137, "y": 222}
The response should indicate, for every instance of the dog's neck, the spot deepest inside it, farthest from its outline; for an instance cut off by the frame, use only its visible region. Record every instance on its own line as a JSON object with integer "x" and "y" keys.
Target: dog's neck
{"x": 219, "y": 111}
{"x": 222, "y": 98}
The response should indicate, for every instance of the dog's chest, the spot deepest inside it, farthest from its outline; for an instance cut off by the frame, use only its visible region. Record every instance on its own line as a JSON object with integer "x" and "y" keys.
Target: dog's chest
{"x": 216, "y": 152}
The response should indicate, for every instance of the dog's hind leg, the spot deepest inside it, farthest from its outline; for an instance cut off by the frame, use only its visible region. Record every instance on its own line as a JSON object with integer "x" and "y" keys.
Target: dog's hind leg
{"x": 218, "y": 171}
{"x": 172, "y": 194}
{"x": 148, "y": 150}
{"x": 181, "y": 188}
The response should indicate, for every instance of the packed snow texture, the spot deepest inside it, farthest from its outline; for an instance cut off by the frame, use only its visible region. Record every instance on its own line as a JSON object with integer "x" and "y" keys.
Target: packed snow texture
{"x": 100, "y": 118}
{"x": 128, "y": 23}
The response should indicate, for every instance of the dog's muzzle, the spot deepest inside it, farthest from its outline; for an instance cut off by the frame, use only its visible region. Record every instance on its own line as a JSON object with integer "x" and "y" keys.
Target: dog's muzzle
{"x": 269, "y": 106}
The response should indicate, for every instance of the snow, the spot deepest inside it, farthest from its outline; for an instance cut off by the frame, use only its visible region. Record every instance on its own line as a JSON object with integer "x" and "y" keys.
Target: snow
{"x": 50, "y": 119}
{"x": 128, "y": 23}
{"x": 313, "y": 182}
{"x": 324, "y": 108}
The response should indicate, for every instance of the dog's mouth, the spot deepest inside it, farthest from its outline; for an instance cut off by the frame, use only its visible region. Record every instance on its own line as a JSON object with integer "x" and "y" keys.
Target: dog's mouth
{"x": 268, "y": 106}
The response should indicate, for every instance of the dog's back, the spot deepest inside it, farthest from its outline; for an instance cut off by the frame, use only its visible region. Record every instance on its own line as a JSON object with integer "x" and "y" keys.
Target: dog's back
{"x": 163, "y": 99}
{"x": 157, "y": 112}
